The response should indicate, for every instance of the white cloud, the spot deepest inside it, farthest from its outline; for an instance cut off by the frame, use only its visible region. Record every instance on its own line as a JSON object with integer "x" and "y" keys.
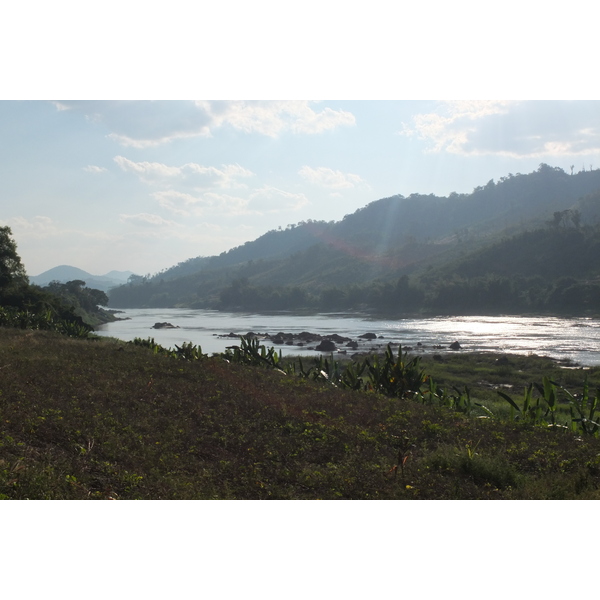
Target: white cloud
{"x": 207, "y": 203}
{"x": 448, "y": 128}
{"x": 95, "y": 169}
{"x": 513, "y": 129}
{"x": 266, "y": 200}
{"x": 176, "y": 202}
{"x": 147, "y": 171}
{"x": 146, "y": 220}
{"x": 42, "y": 227}
{"x": 329, "y": 178}
{"x": 191, "y": 175}
{"x": 225, "y": 203}
{"x": 272, "y": 118}
{"x": 224, "y": 177}
{"x": 38, "y": 227}
{"x": 142, "y": 124}
{"x": 194, "y": 190}
{"x": 60, "y": 106}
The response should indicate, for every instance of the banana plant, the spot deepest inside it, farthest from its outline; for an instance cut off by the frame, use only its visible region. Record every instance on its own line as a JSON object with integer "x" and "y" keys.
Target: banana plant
{"x": 251, "y": 352}
{"x": 533, "y": 410}
{"x": 396, "y": 376}
{"x": 188, "y": 351}
{"x": 583, "y": 411}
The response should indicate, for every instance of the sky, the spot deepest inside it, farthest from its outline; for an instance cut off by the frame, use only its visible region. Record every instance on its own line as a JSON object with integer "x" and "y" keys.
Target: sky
{"x": 142, "y": 185}
{"x": 138, "y": 142}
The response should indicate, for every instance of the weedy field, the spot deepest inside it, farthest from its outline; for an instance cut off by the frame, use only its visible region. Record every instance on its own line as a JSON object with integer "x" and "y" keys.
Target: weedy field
{"x": 100, "y": 419}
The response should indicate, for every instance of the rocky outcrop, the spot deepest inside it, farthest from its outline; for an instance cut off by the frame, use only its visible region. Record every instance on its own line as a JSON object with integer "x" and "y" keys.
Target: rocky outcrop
{"x": 332, "y": 342}
{"x": 164, "y": 325}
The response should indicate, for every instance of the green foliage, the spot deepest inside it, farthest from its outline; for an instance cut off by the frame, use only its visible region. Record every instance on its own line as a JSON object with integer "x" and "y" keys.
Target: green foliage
{"x": 543, "y": 409}
{"x": 43, "y": 320}
{"x": 396, "y": 376}
{"x": 251, "y": 352}
{"x": 151, "y": 345}
{"x": 583, "y": 411}
{"x": 29, "y": 307}
{"x": 459, "y": 401}
{"x": 401, "y": 376}
{"x": 85, "y": 302}
{"x": 544, "y": 270}
{"x": 189, "y": 351}
{"x": 12, "y": 272}
{"x": 468, "y": 461}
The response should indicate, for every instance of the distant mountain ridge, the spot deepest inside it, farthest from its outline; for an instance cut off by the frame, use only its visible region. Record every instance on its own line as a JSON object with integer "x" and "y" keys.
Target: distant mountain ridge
{"x": 386, "y": 240}
{"x": 64, "y": 273}
{"x": 385, "y": 225}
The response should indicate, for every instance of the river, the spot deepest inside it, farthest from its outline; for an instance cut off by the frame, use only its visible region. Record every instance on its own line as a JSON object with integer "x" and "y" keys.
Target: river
{"x": 577, "y": 339}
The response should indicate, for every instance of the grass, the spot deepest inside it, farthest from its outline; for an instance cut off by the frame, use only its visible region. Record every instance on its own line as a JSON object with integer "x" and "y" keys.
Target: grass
{"x": 486, "y": 374}
{"x": 99, "y": 419}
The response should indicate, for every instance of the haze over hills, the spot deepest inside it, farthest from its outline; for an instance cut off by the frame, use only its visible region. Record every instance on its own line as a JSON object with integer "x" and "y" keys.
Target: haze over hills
{"x": 386, "y": 240}
{"x": 65, "y": 273}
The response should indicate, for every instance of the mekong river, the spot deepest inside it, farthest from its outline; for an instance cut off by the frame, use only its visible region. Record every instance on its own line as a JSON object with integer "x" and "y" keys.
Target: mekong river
{"x": 577, "y": 339}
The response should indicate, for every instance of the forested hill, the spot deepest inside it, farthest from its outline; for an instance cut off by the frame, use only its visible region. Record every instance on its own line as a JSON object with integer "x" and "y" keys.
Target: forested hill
{"x": 513, "y": 200}
{"x": 275, "y": 243}
{"x": 385, "y": 240}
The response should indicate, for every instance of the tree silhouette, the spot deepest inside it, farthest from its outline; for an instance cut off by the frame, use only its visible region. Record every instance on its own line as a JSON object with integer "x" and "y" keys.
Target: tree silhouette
{"x": 12, "y": 271}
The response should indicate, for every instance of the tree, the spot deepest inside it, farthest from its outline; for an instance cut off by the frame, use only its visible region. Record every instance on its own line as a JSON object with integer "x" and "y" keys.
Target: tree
{"x": 136, "y": 279}
{"x": 12, "y": 271}
{"x": 76, "y": 294}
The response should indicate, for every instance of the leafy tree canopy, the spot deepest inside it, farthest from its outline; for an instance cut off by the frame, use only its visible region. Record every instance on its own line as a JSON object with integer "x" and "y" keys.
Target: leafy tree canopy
{"x": 12, "y": 271}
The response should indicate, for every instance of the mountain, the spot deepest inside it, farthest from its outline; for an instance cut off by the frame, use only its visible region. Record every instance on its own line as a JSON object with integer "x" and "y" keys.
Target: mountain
{"x": 387, "y": 240}
{"x": 64, "y": 273}
{"x": 122, "y": 276}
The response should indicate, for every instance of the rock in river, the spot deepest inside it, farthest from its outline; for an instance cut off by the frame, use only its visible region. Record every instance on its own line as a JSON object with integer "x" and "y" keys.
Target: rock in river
{"x": 326, "y": 346}
{"x": 164, "y": 325}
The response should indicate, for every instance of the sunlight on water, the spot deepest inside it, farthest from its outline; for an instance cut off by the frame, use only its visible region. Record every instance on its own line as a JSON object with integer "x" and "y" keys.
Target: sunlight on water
{"x": 575, "y": 339}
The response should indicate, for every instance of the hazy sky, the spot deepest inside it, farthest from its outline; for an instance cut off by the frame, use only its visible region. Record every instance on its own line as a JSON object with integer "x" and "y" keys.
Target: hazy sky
{"x": 142, "y": 185}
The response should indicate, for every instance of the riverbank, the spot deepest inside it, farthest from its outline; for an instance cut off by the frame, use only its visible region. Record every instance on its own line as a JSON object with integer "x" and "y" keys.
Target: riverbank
{"x": 106, "y": 419}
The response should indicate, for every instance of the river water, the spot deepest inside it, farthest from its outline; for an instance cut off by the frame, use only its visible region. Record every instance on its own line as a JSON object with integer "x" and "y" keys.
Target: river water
{"x": 575, "y": 339}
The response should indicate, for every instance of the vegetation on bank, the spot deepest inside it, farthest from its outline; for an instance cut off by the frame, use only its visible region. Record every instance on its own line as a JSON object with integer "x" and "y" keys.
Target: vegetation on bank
{"x": 528, "y": 243}
{"x": 546, "y": 271}
{"x": 69, "y": 308}
{"x": 47, "y": 320}
{"x": 87, "y": 303}
{"x": 105, "y": 419}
